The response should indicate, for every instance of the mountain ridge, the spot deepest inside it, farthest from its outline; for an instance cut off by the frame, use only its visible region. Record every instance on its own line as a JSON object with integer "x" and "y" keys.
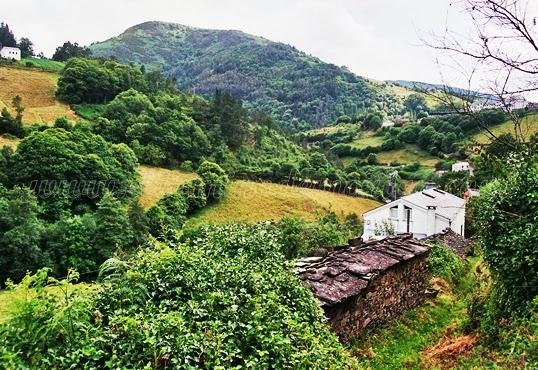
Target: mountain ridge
{"x": 298, "y": 89}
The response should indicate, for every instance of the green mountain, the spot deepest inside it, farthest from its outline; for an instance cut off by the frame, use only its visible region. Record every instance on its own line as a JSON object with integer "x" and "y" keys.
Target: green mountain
{"x": 299, "y": 90}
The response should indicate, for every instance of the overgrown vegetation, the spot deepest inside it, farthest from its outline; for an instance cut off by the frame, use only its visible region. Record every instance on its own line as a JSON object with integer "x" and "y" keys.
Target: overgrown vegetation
{"x": 224, "y": 299}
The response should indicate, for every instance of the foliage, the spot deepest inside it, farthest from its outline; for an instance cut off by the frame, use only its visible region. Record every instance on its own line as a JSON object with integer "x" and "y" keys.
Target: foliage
{"x": 222, "y": 300}
{"x": 298, "y": 237}
{"x": 506, "y": 213}
{"x": 298, "y": 90}
{"x": 70, "y": 50}
{"x": 91, "y": 81}
{"x": 27, "y": 47}
{"x": 20, "y": 233}
{"x": 7, "y": 38}
{"x": 75, "y": 166}
{"x": 455, "y": 183}
{"x": 444, "y": 263}
{"x": 214, "y": 179}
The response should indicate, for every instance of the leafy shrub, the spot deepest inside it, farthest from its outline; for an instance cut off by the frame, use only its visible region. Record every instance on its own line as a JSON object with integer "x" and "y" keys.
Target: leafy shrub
{"x": 194, "y": 194}
{"x": 222, "y": 300}
{"x": 444, "y": 263}
{"x": 506, "y": 214}
{"x": 215, "y": 180}
{"x": 167, "y": 215}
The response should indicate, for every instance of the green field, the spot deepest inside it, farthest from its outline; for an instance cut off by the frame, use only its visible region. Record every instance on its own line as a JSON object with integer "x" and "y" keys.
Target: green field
{"x": 529, "y": 127}
{"x": 251, "y": 202}
{"x": 44, "y": 64}
{"x": 408, "y": 154}
{"x": 366, "y": 140}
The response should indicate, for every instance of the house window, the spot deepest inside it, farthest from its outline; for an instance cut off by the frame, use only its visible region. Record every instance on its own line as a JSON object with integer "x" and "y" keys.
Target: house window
{"x": 394, "y": 212}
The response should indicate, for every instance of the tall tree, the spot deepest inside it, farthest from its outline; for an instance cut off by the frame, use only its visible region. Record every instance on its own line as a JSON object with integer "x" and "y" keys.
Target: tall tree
{"x": 71, "y": 50}
{"x": 113, "y": 230}
{"x": 7, "y": 38}
{"x": 230, "y": 115}
{"x": 27, "y": 47}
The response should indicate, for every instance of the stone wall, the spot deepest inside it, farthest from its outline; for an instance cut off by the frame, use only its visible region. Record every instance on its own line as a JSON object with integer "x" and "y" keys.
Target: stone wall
{"x": 388, "y": 295}
{"x": 366, "y": 284}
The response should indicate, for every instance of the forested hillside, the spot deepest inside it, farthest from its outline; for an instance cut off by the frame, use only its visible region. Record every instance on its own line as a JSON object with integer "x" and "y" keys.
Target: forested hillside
{"x": 298, "y": 89}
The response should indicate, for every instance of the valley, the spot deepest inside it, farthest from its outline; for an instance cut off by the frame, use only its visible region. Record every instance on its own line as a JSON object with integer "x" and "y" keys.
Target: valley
{"x": 179, "y": 197}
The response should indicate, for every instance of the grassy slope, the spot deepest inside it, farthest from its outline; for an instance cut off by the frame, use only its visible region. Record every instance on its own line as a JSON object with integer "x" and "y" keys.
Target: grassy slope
{"x": 157, "y": 182}
{"x": 401, "y": 344}
{"x": 44, "y": 64}
{"x": 408, "y": 154}
{"x": 6, "y": 141}
{"x": 251, "y": 202}
{"x": 529, "y": 127}
{"x": 37, "y": 91}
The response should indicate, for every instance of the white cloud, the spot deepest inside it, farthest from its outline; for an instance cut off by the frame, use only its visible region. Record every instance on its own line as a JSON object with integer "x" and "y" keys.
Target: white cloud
{"x": 374, "y": 38}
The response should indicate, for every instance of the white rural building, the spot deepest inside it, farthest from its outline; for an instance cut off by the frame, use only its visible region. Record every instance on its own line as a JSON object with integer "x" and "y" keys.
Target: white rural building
{"x": 462, "y": 166}
{"x": 10, "y": 53}
{"x": 423, "y": 213}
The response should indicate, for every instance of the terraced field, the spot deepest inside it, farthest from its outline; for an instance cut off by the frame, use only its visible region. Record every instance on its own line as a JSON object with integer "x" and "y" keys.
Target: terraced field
{"x": 36, "y": 88}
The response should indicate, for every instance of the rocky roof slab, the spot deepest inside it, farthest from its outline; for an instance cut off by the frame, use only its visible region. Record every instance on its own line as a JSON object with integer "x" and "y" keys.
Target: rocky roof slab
{"x": 346, "y": 272}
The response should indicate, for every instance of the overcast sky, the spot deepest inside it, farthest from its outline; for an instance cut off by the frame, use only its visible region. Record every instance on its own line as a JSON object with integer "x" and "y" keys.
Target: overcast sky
{"x": 379, "y": 39}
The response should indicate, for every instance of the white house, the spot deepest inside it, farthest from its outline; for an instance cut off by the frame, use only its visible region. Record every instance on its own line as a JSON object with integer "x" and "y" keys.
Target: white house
{"x": 462, "y": 166}
{"x": 388, "y": 123}
{"x": 423, "y": 213}
{"x": 10, "y": 53}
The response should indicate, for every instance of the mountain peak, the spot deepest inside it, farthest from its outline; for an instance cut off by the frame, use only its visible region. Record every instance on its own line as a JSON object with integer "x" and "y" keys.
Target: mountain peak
{"x": 269, "y": 76}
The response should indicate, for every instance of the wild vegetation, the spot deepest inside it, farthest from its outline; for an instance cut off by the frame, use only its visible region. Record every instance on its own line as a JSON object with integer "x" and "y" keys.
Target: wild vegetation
{"x": 196, "y": 271}
{"x": 300, "y": 91}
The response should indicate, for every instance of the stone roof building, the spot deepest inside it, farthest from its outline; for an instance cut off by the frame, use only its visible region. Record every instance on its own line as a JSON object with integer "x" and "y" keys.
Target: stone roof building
{"x": 367, "y": 283}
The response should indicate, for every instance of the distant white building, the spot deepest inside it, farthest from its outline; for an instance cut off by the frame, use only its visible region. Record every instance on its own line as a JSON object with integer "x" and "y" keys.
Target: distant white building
{"x": 511, "y": 103}
{"x": 462, "y": 166}
{"x": 388, "y": 123}
{"x": 422, "y": 213}
{"x": 10, "y": 53}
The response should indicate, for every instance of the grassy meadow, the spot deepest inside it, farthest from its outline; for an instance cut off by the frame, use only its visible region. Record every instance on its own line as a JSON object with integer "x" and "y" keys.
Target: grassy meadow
{"x": 252, "y": 202}
{"x": 9, "y": 141}
{"x": 36, "y": 88}
{"x": 157, "y": 182}
{"x": 529, "y": 127}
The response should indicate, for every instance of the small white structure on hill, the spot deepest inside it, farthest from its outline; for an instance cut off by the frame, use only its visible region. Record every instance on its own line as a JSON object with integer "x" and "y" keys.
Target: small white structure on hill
{"x": 10, "y": 53}
{"x": 423, "y": 213}
{"x": 462, "y": 166}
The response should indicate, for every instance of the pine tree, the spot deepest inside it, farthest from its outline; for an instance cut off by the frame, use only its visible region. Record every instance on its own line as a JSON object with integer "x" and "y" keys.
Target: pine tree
{"x": 7, "y": 38}
{"x": 113, "y": 231}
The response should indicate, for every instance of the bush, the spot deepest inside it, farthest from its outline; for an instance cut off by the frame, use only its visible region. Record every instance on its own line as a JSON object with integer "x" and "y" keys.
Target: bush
{"x": 506, "y": 214}
{"x": 224, "y": 300}
{"x": 215, "y": 180}
{"x": 194, "y": 194}
{"x": 444, "y": 263}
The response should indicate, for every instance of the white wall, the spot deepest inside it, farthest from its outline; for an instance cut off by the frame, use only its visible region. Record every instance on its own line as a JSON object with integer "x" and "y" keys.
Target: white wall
{"x": 423, "y": 222}
{"x": 10, "y": 53}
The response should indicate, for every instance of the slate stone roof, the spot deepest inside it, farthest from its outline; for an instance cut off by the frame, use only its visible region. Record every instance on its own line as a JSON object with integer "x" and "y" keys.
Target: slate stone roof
{"x": 346, "y": 272}
{"x": 456, "y": 242}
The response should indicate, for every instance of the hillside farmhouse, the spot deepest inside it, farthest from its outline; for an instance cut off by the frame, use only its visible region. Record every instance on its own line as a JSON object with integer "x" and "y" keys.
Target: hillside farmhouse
{"x": 367, "y": 283}
{"x": 422, "y": 214}
{"x": 10, "y": 53}
{"x": 462, "y": 166}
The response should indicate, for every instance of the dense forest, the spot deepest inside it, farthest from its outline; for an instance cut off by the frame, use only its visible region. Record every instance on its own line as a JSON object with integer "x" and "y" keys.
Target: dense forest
{"x": 298, "y": 90}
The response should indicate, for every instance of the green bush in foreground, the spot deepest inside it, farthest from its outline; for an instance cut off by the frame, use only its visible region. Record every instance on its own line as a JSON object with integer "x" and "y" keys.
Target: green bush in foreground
{"x": 444, "y": 263}
{"x": 221, "y": 300}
